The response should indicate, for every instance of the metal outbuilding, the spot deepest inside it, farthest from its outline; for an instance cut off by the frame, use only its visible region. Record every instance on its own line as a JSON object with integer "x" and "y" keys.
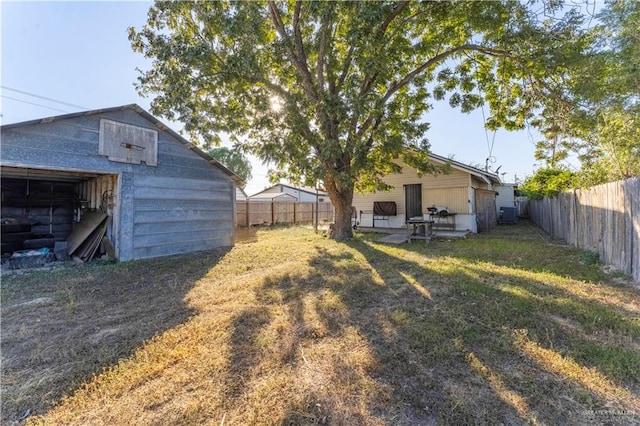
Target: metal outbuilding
{"x": 161, "y": 194}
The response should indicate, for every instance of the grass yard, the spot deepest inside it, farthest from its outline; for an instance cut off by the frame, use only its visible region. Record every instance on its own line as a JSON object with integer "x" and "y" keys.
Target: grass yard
{"x": 293, "y": 328}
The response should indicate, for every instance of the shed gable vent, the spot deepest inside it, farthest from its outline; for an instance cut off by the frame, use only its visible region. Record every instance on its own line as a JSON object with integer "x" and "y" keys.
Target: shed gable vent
{"x": 125, "y": 143}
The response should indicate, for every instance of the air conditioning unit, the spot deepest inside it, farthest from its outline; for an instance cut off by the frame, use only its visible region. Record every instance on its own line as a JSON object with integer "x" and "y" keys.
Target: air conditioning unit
{"x": 508, "y": 215}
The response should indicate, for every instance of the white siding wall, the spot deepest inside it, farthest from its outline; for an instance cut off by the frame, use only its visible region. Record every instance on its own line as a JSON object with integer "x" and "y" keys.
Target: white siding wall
{"x": 505, "y": 197}
{"x": 302, "y": 196}
{"x": 456, "y": 179}
{"x": 306, "y": 197}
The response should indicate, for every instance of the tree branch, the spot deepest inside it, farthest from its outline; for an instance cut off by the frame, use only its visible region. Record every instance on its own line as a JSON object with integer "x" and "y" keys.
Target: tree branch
{"x": 345, "y": 68}
{"x": 395, "y": 12}
{"x": 277, "y": 20}
{"x": 295, "y": 47}
{"x": 371, "y": 75}
{"x": 323, "y": 46}
{"x": 420, "y": 69}
{"x": 301, "y": 63}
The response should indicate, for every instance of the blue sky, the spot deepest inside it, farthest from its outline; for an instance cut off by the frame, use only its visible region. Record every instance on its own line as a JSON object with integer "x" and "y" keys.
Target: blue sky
{"x": 78, "y": 53}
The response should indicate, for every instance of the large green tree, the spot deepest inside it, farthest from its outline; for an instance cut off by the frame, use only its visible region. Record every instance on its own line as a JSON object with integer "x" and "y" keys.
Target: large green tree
{"x": 336, "y": 91}
{"x": 234, "y": 160}
{"x": 612, "y": 101}
{"x": 602, "y": 121}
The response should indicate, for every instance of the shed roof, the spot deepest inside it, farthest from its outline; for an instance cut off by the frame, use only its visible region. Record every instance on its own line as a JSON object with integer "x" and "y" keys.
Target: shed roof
{"x": 139, "y": 110}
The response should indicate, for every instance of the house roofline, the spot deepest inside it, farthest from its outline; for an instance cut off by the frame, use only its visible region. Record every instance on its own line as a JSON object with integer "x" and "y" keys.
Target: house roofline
{"x": 271, "y": 196}
{"x": 141, "y": 111}
{"x": 482, "y": 174}
{"x": 323, "y": 193}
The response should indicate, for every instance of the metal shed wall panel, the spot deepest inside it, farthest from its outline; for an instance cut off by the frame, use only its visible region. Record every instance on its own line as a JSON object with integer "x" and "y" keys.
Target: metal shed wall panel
{"x": 183, "y": 204}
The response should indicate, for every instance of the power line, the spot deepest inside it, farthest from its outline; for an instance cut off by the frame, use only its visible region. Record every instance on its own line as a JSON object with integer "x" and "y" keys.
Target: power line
{"x": 43, "y": 97}
{"x": 33, "y": 103}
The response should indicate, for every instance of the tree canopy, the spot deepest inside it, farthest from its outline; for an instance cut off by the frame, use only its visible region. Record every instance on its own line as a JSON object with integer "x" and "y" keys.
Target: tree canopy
{"x": 601, "y": 123}
{"x": 234, "y": 160}
{"x": 336, "y": 91}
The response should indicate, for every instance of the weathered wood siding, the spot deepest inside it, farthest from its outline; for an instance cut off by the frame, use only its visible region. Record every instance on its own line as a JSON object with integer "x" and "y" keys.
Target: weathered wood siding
{"x": 486, "y": 216}
{"x": 604, "y": 219}
{"x": 479, "y": 183}
{"x": 100, "y": 192}
{"x": 182, "y": 204}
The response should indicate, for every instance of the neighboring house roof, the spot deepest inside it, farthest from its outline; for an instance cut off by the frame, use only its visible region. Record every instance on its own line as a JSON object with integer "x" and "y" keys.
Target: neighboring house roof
{"x": 273, "y": 196}
{"x": 310, "y": 191}
{"x": 136, "y": 108}
{"x": 490, "y": 178}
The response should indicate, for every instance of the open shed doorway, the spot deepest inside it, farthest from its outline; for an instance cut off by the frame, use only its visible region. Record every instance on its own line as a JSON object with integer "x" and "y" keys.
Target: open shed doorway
{"x": 42, "y": 207}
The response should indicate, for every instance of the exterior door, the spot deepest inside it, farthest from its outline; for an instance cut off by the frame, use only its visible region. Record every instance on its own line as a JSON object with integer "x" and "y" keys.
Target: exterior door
{"x": 412, "y": 200}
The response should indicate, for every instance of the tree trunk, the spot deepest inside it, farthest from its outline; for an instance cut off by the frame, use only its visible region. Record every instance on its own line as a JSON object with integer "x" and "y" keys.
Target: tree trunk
{"x": 342, "y": 227}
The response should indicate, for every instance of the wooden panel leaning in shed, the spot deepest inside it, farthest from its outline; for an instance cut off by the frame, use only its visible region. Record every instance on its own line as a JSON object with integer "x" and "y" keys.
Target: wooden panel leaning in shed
{"x": 125, "y": 143}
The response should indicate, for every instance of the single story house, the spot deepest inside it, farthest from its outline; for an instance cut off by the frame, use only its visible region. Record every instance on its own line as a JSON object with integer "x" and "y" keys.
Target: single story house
{"x": 298, "y": 194}
{"x": 463, "y": 199}
{"x": 159, "y": 193}
{"x": 273, "y": 197}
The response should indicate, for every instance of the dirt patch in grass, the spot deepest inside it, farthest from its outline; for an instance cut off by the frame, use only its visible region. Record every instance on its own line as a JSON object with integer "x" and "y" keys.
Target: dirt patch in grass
{"x": 293, "y": 328}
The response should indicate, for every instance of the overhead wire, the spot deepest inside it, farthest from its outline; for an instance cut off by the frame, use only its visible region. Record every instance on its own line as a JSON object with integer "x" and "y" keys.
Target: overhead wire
{"x": 33, "y": 103}
{"x": 23, "y": 92}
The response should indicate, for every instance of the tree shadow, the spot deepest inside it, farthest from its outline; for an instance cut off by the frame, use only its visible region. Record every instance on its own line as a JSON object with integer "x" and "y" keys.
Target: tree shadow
{"x": 61, "y": 327}
{"x": 244, "y": 355}
{"x": 444, "y": 347}
{"x": 479, "y": 306}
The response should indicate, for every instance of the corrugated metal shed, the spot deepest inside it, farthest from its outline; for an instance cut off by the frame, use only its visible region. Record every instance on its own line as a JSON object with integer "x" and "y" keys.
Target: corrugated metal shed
{"x": 163, "y": 194}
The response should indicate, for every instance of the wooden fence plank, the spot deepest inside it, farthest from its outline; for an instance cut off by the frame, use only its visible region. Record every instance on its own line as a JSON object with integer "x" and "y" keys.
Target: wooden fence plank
{"x": 603, "y": 219}
{"x": 250, "y": 213}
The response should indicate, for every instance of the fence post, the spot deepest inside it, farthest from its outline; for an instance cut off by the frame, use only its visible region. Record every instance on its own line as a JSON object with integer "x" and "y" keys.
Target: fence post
{"x": 316, "y": 222}
{"x": 273, "y": 214}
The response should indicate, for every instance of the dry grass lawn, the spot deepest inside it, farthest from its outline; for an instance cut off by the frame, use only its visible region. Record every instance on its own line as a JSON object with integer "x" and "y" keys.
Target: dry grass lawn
{"x": 293, "y": 328}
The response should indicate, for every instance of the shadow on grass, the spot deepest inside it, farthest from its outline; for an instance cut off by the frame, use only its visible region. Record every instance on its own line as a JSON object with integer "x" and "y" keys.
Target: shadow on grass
{"x": 61, "y": 327}
{"x": 588, "y": 342}
{"x": 457, "y": 346}
{"x": 523, "y": 246}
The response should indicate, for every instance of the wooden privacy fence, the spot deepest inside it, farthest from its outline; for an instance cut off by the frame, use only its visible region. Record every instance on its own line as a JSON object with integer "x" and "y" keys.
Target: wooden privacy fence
{"x": 265, "y": 213}
{"x": 604, "y": 219}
